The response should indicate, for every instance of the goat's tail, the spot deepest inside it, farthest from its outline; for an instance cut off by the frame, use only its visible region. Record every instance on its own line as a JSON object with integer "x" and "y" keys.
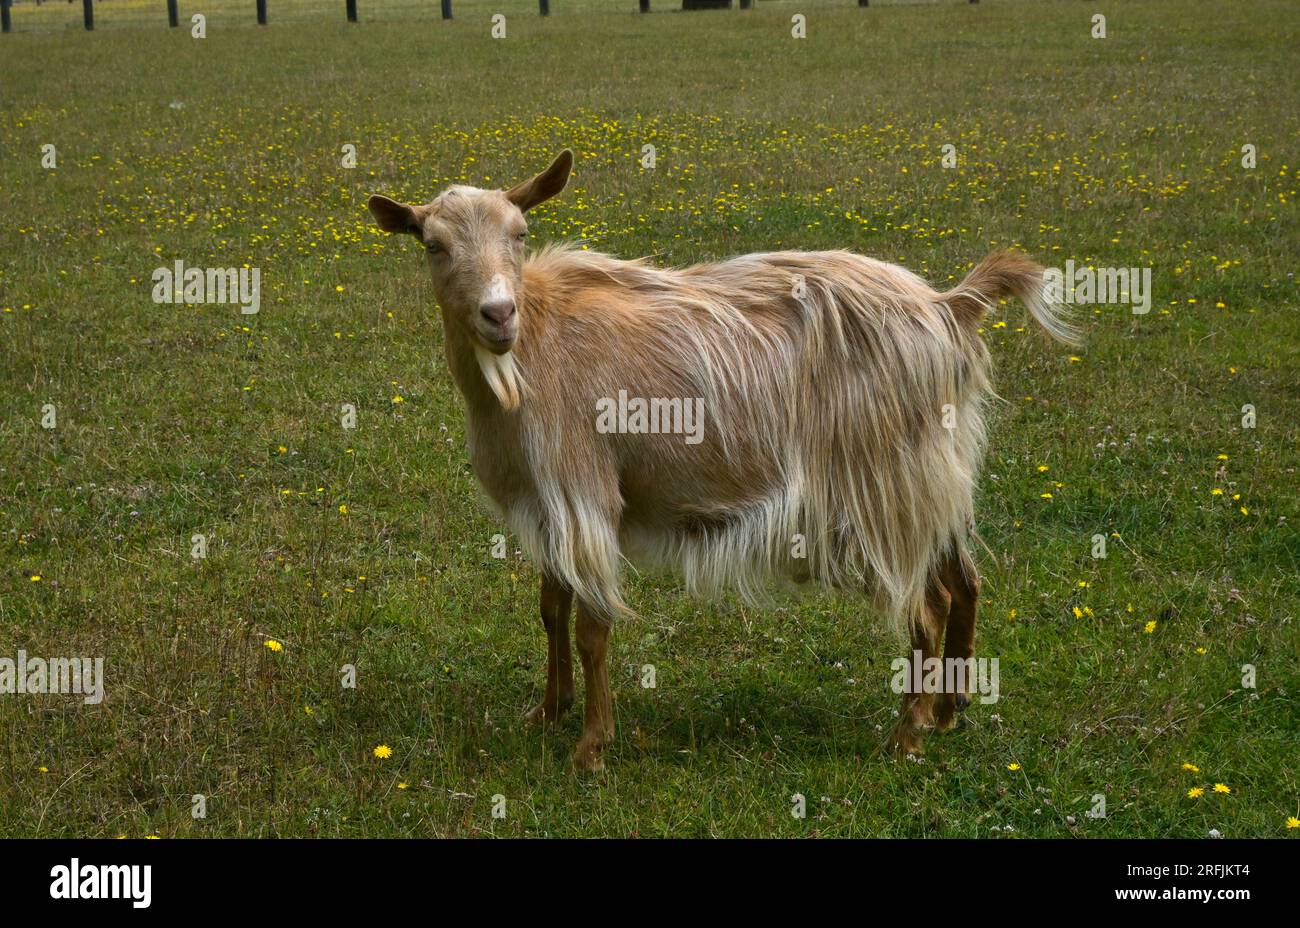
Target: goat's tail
{"x": 1006, "y": 273}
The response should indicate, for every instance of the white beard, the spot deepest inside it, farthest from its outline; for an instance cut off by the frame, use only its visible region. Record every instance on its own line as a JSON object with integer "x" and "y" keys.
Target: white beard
{"x": 502, "y": 377}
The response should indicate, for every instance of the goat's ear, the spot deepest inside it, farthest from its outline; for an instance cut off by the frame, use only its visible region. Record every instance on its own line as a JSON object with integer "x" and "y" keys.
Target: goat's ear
{"x": 392, "y": 216}
{"x": 545, "y": 185}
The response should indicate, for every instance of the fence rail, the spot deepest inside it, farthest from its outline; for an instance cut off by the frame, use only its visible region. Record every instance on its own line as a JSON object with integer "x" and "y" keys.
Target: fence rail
{"x": 351, "y": 7}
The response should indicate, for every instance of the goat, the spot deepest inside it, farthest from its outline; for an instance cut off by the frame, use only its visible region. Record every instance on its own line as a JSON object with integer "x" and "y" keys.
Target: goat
{"x": 841, "y": 444}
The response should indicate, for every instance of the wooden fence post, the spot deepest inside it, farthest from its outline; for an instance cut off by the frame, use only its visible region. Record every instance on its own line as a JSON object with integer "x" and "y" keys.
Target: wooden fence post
{"x": 88, "y": 13}
{"x": 746, "y": 4}
{"x": 645, "y": 6}
{"x": 446, "y": 9}
{"x": 261, "y": 12}
{"x": 173, "y": 14}
{"x": 5, "y": 24}
{"x": 545, "y": 7}
{"x": 352, "y": 11}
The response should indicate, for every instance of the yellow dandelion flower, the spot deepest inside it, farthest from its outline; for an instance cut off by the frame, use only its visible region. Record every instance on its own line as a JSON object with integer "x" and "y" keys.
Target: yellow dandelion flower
{"x": 1293, "y": 822}
{"x": 1222, "y": 457}
{"x": 383, "y": 752}
{"x": 403, "y": 785}
{"x": 1043, "y": 468}
{"x": 1044, "y": 495}
{"x": 309, "y": 710}
{"x": 1192, "y": 767}
{"x": 343, "y": 508}
{"x": 1195, "y": 792}
{"x": 1222, "y": 788}
{"x": 1245, "y": 511}
{"x": 396, "y": 400}
{"x": 1150, "y": 627}
{"x": 1216, "y": 492}
{"x": 272, "y": 645}
{"x": 1078, "y": 613}
{"x": 35, "y": 578}
{"x": 1013, "y": 766}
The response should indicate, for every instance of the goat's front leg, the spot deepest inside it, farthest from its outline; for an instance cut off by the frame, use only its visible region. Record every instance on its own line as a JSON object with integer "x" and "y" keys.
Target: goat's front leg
{"x": 556, "y": 600}
{"x": 598, "y": 727}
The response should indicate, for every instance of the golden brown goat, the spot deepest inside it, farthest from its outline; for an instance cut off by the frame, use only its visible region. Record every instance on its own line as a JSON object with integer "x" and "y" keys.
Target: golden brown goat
{"x": 840, "y": 442}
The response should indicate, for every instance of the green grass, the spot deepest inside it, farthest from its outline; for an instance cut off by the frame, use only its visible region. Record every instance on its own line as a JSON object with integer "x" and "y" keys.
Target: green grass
{"x": 1122, "y": 151}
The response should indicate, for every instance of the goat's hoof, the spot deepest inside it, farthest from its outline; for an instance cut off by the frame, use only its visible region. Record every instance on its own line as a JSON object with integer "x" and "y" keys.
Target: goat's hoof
{"x": 587, "y": 758}
{"x": 547, "y": 714}
{"x": 946, "y": 708}
{"x": 541, "y": 715}
{"x": 907, "y": 740}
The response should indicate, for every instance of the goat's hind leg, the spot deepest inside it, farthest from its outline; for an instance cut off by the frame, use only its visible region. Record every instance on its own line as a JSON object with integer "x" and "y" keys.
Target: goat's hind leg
{"x": 916, "y": 717}
{"x": 557, "y": 599}
{"x": 959, "y": 576}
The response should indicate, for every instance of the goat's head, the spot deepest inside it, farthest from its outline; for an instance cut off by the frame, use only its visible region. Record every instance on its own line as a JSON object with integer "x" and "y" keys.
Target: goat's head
{"x": 475, "y": 243}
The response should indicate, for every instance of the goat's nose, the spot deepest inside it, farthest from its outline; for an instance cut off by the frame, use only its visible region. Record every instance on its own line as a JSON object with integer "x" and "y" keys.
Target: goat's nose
{"x": 498, "y": 311}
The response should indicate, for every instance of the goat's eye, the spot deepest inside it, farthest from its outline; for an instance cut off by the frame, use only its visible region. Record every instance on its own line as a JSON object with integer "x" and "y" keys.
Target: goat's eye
{"x": 434, "y": 248}
{"x": 520, "y": 236}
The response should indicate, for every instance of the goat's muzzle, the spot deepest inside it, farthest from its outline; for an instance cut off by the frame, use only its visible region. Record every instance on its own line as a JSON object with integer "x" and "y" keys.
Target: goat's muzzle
{"x": 498, "y": 325}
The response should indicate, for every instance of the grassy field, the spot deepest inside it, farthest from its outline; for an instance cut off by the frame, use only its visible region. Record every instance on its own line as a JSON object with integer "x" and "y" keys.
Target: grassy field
{"x": 370, "y": 547}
